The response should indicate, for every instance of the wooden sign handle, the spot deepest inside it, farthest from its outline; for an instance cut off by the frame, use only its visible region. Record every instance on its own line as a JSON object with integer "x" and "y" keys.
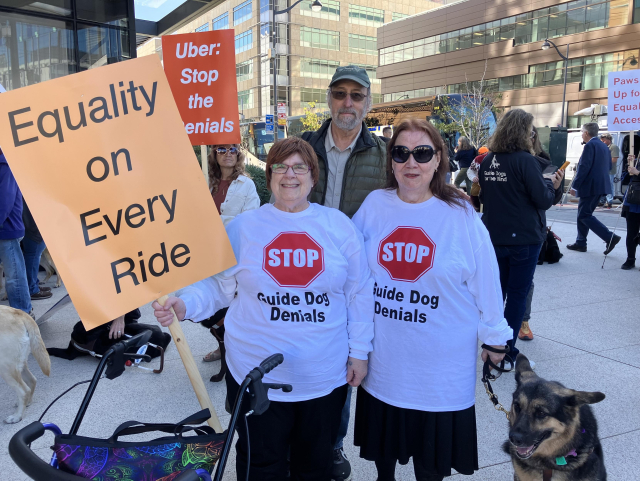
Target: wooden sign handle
{"x": 192, "y": 370}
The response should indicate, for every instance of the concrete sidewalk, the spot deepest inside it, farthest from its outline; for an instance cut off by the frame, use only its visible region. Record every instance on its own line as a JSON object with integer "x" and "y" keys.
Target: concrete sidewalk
{"x": 587, "y": 335}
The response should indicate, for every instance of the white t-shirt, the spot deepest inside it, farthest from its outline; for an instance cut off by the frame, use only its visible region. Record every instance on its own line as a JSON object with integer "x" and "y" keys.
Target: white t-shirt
{"x": 304, "y": 289}
{"x": 446, "y": 295}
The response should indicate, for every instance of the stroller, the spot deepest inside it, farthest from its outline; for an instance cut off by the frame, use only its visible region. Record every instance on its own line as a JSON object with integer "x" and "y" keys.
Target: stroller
{"x": 170, "y": 458}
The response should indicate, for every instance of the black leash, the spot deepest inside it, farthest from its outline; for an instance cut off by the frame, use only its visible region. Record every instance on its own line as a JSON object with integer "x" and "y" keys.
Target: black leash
{"x": 488, "y": 376}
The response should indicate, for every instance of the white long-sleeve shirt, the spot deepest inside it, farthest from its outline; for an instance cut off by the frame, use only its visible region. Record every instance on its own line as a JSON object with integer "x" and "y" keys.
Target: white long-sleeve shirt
{"x": 427, "y": 326}
{"x": 316, "y": 322}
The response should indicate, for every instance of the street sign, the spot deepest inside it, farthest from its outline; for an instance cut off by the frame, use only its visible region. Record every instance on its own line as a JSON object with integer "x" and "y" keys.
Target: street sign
{"x": 269, "y": 124}
{"x": 200, "y": 68}
{"x": 282, "y": 108}
{"x": 624, "y": 101}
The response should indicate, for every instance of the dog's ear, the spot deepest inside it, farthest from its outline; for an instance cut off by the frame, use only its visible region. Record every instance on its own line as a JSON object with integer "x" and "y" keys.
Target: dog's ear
{"x": 523, "y": 369}
{"x": 578, "y": 398}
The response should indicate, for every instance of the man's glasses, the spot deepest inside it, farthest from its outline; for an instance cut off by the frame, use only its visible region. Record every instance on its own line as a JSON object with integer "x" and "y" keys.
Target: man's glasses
{"x": 283, "y": 168}
{"x": 422, "y": 153}
{"x": 223, "y": 150}
{"x": 341, "y": 95}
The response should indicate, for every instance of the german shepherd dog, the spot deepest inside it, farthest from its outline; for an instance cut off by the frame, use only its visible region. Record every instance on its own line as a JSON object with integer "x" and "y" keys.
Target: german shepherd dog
{"x": 553, "y": 433}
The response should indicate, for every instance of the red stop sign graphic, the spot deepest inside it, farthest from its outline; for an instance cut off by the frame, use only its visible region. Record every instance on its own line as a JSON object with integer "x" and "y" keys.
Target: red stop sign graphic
{"x": 293, "y": 259}
{"x": 406, "y": 254}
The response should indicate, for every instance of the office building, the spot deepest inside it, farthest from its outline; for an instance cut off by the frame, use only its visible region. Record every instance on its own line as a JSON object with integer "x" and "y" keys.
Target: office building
{"x": 309, "y": 46}
{"x": 437, "y": 52}
{"x": 47, "y": 39}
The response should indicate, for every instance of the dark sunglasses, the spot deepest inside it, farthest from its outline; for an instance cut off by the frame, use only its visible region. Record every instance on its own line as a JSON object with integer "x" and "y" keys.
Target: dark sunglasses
{"x": 422, "y": 153}
{"x": 223, "y": 150}
{"x": 341, "y": 95}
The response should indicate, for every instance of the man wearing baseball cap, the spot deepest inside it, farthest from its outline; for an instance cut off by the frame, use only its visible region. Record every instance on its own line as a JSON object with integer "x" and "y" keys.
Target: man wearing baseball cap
{"x": 352, "y": 163}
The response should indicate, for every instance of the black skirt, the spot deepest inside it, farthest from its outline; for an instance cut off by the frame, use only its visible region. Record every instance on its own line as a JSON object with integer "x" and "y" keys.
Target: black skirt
{"x": 441, "y": 440}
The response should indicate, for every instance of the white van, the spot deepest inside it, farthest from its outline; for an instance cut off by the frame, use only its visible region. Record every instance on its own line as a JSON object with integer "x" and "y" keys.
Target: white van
{"x": 574, "y": 151}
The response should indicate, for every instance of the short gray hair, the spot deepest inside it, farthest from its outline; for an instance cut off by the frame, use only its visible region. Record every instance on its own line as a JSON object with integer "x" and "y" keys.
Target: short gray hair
{"x": 606, "y": 135}
{"x": 591, "y": 129}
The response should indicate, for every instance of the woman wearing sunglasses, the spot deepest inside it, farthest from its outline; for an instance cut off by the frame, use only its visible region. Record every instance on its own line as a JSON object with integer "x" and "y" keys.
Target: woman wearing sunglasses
{"x": 436, "y": 294}
{"x": 304, "y": 289}
{"x": 233, "y": 192}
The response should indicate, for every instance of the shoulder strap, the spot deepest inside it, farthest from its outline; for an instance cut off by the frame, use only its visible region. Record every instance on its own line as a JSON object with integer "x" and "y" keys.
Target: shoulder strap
{"x": 135, "y": 427}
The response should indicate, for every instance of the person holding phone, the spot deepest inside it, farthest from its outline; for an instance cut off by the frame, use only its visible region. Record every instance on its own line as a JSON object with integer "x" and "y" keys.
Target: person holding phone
{"x": 631, "y": 213}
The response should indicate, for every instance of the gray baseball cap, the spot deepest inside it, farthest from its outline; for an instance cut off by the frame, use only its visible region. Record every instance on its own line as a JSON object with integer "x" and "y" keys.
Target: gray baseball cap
{"x": 351, "y": 72}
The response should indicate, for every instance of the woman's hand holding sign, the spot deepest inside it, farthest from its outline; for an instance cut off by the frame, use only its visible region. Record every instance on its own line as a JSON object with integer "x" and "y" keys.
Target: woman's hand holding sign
{"x": 163, "y": 313}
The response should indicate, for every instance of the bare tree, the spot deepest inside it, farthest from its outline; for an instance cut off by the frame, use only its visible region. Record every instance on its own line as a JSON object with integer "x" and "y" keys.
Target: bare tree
{"x": 471, "y": 115}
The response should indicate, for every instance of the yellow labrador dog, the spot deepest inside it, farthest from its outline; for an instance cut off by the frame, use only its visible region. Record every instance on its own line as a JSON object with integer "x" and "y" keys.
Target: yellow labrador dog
{"x": 19, "y": 336}
{"x": 46, "y": 261}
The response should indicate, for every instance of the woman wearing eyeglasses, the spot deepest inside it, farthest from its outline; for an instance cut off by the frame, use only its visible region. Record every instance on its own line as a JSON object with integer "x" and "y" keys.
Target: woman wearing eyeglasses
{"x": 304, "y": 289}
{"x": 436, "y": 294}
{"x": 233, "y": 193}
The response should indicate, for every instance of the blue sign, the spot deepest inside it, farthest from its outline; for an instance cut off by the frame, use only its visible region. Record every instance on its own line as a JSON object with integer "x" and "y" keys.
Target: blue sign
{"x": 269, "y": 124}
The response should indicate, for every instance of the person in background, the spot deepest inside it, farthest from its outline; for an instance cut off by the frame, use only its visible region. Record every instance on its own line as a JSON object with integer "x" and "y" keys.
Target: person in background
{"x": 472, "y": 173}
{"x": 590, "y": 184}
{"x": 548, "y": 169}
{"x": 387, "y": 133}
{"x": 631, "y": 213}
{"x": 232, "y": 191}
{"x": 418, "y": 398}
{"x": 464, "y": 155}
{"x": 513, "y": 191}
{"x": 11, "y": 231}
{"x": 351, "y": 165}
{"x": 325, "y": 343}
{"x": 33, "y": 246}
{"x": 607, "y": 138}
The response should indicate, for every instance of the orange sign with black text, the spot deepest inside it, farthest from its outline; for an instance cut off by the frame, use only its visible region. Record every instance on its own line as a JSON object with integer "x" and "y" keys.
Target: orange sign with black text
{"x": 201, "y": 69}
{"x": 111, "y": 179}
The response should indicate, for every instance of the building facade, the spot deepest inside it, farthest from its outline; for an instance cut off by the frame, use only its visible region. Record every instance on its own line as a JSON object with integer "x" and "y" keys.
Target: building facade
{"x": 42, "y": 40}
{"x": 438, "y": 52}
{"x": 309, "y": 46}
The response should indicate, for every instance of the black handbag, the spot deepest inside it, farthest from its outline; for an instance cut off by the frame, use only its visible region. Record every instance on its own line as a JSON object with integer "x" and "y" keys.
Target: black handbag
{"x": 633, "y": 192}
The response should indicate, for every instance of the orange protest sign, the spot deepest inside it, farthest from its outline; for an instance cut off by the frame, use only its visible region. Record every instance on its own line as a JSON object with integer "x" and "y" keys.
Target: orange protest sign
{"x": 112, "y": 181}
{"x": 201, "y": 69}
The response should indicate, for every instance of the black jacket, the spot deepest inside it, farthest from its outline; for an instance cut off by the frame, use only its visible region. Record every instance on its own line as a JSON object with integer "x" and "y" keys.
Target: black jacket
{"x": 514, "y": 193}
{"x": 465, "y": 157}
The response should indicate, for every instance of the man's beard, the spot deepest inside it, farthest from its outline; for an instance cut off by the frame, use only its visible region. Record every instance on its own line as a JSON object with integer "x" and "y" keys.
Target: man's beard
{"x": 348, "y": 124}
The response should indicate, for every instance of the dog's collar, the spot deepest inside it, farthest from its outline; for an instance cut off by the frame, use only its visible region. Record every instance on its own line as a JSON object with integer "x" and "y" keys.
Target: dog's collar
{"x": 562, "y": 461}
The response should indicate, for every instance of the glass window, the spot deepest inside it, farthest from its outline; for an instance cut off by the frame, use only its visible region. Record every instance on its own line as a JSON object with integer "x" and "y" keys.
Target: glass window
{"x": 399, "y": 16}
{"x": 33, "y": 50}
{"x": 244, "y": 71}
{"x": 203, "y": 28}
{"x": 318, "y": 96}
{"x": 221, "y": 22}
{"x": 557, "y": 24}
{"x": 330, "y": 10}
{"x": 244, "y": 41}
{"x": 523, "y": 32}
{"x": 478, "y": 37}
{"x": 317, "y": 68}
{"x": 113, "y": 12}
{"x": 636, "y": 12}
{"x": 100, "y": 46}
{"x": 52, "y": 7}
{"x": 363, "y": 44}
{"x": 245, "y": 99}
{"x": 575, "y": 21}
{"x": 361, "y": 15}
{"x": 317, "y": 38}
{"x": 242, "y": 12}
